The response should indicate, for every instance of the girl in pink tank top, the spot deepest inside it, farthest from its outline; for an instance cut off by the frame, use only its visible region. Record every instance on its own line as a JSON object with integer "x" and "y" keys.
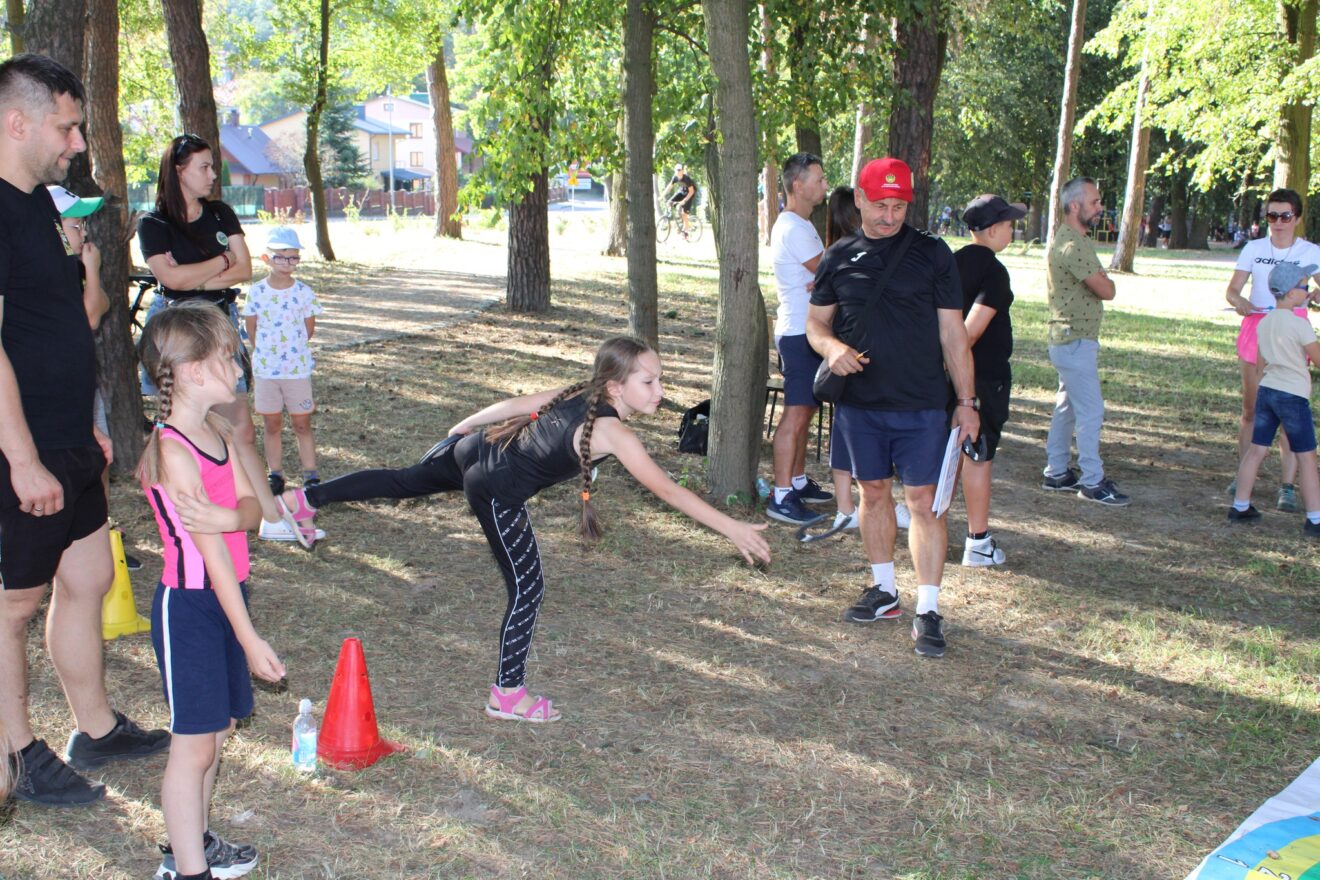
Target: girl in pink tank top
{"x": 205, "y": 642}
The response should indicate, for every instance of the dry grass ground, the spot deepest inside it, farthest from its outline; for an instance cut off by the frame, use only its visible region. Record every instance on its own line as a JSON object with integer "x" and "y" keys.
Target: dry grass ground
{"x": 1112, "y": 703}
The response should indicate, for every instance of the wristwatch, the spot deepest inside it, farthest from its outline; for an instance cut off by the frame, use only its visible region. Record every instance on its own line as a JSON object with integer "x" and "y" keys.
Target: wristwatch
{"x": 973, "y": 402}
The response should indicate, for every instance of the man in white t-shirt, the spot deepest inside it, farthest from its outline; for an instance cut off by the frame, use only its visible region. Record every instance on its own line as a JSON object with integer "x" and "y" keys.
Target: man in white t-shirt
{"x": 796, "y": 249}
{"x": 1283, "y": 211}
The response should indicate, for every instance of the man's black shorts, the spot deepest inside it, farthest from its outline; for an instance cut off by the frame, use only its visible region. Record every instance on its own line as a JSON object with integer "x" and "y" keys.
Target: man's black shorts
{"x": 994, "y": 395}
{"x": 31, "y": 546}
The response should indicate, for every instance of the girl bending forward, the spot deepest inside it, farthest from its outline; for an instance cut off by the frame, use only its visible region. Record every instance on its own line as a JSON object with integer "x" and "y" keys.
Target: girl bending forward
{"x": 536, "y": 441}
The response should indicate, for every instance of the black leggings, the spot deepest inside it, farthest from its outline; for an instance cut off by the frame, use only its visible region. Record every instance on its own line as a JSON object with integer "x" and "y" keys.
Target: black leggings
{"x": 505, "y": 521}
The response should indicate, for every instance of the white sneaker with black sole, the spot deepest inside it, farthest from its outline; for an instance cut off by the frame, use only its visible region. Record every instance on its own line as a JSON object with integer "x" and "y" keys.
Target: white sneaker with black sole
{"x": 982, "y": 552}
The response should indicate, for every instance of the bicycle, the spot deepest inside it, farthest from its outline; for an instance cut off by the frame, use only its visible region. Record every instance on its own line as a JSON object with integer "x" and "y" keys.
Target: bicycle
{"x": 669, "y": 221}
{"x": 145, "y": 282}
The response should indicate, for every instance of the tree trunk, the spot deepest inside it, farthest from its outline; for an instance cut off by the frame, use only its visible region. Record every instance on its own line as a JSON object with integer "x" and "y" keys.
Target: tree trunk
{"x": 617, "y": 246}
{"x": 529, "y": 249}
{"x": 191, "y": 58}
{"x": 1199, "y": 238}
{"x": 738, "y": 385}
{"x": 1153, "y": 221}
{"x": 447, "y": 221}
{"x": 712, "y": 156}
{"x": 1134, "y": 195}
{"x": 1292, "y": 155}
{"x": 1067, "y": 113}
{"x": 861, "y": 138}
{"x": 1178, "y": 211}
{"x": 922, "y": 43}
{"x": 312, "y": 154}
{"x": 112, "y": 229}
{"x": 769, "y": 175}
{"x": 16, "y": 25}
{"x": 639, "y": 170}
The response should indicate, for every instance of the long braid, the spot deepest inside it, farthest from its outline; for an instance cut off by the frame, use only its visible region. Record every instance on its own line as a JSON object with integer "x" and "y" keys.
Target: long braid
{"x": 507, "y": 431}
{"x": 590, "y": 526}
{"x": 151, "y": 465}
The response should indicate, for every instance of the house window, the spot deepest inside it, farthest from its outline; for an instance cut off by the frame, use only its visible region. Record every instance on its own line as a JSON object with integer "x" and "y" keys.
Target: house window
{"x": 415, "y": 160}
{"x": 416, "y": 129}
{"x": 375, "y": 151}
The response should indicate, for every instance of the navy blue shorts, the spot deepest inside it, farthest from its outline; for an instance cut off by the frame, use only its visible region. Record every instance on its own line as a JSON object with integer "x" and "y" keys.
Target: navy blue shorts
{"x": 202, "y": 666}
{"x": 798, "y": 363}
{"x": 881, "y": 443}
{"x": 1274, "y": 408}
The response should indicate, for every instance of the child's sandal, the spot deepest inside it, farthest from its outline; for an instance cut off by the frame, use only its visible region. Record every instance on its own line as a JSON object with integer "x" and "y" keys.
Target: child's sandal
{"x": 306, "y": 537}
{"x": 539, "y": 712}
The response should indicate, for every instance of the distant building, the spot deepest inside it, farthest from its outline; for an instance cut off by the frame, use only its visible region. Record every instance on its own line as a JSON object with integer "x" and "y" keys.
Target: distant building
{"x": 408, "y": 125}
{"x": 253, "y": 159}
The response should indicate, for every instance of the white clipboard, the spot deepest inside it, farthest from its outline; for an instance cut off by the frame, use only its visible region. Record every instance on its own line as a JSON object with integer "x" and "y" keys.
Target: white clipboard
{"x": 948, "y": 475}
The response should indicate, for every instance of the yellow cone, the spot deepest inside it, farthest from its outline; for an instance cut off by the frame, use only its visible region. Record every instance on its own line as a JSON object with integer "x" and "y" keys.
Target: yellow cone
{"x": 119, "y": 615}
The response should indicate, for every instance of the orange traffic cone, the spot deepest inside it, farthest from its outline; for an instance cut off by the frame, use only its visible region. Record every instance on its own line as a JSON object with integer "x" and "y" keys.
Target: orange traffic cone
{"x": 119, "y": 615}
{"x": 349, "y": 738}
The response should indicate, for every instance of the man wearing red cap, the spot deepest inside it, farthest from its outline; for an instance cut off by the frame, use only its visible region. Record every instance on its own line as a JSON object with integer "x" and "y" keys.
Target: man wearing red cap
{"x": 907, "y": 329}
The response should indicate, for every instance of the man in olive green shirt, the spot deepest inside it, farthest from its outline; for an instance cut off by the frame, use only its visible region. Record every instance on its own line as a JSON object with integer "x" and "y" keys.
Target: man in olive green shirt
{"x": 1078, "y": 288}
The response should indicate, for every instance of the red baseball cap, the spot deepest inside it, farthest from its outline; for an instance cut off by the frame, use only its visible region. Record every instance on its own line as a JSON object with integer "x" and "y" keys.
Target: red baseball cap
{"x": 886, "y": 179}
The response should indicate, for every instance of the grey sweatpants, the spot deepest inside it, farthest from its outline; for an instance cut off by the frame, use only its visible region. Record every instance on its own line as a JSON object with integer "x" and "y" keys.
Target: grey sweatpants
{"x": 1078, "y": 408}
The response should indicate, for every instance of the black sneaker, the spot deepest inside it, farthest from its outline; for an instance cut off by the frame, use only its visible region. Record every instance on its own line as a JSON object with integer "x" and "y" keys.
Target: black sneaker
{"x": 224, "y": 859}
{"x": 1310, "y": 529}
{"x": 1104, "y": 492}
{"x": 812, "y": 493}
{"x": 311, "y": 481}
{"x": 1062, "y": 483}
{"x": 276, "y": 484}
{"x": 125, "y": 740}
{"x": 928, "y": 633}
{"x": 42, "y": 778}
{"x": 791, "y": 510}
{"x": 874, "y": 605}
{"x": 132, "y": 563}
{"x": 1248, "y": 515}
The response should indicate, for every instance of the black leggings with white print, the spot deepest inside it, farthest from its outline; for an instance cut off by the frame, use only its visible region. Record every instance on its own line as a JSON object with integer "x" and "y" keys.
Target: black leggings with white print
{"x": 504, "y": 520}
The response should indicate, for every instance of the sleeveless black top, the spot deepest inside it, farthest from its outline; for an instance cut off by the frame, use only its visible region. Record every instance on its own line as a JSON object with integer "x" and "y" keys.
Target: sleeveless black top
{"x": 543, "y": 455}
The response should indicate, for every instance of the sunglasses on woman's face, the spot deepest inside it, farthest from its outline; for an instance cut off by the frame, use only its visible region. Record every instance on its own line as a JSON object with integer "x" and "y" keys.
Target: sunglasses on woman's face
{"x": 1276, "y": 216}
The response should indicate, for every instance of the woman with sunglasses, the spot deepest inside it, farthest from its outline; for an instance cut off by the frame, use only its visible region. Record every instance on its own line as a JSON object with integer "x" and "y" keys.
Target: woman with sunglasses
{"x": 1283, "y": 211}
{"x": 195, "y": 247}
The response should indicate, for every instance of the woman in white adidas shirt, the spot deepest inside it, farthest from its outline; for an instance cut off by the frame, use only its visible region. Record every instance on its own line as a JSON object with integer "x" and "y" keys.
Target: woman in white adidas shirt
{"x": 1283, "y": 211}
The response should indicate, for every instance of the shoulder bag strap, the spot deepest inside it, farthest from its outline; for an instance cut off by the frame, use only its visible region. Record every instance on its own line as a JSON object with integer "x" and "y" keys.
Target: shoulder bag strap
{"x": 908, "y": 235}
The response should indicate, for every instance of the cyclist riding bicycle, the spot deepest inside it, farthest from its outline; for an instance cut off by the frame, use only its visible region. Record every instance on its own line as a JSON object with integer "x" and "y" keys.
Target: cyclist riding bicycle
{"x": 685, "y": 194}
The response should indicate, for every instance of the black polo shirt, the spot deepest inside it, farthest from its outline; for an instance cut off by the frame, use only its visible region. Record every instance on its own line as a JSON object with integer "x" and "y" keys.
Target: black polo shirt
{"x": 45, "y": 333}
{"x": 205, "y": 238}
{"x": 902, "y": 333}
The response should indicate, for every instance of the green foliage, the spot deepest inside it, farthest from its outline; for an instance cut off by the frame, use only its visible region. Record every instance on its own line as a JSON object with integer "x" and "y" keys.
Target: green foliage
{"x": 342, "y": 163}
{"x": 146, "y": 82}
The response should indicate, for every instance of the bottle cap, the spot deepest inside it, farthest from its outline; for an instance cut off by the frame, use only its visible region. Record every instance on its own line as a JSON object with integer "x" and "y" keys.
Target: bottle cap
{"x": 304, "y": 707}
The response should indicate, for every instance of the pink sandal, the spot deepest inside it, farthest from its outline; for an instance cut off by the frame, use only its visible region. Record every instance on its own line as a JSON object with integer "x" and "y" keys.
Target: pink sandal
{"x": 539, "y": 712}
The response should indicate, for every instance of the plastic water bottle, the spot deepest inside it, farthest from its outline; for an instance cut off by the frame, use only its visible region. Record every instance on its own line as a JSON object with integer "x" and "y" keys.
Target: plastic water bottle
{"x": 304, "y": 738}
{"x": 762, "y": 487}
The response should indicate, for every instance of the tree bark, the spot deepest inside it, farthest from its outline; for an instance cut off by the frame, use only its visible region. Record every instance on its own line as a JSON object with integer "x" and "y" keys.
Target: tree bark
{"x": 769, "y": 175}
{"x": 191, "y": 58}
{"x": 712, "y": 156}
{"x": 1292, "y": 156}
{"x": 1153, "y": 220}
{"x": 861, "y": 138}
{"x": 17, "y": 22}
{"x": 1067, "y": 115}
{"x": 312, "y": 153}
{"x": 738, "y": 392}
{"x": 112, "y": 230}
{"x": 447, "y": 221}
{"x": 617, "y": 245}
{"x": 1178, "y": 210}
{"x": 923, "y": 40}
{"x": 1199, "y": 237}
{"x": 639, "y": 170}
{"x": 1134, "y": 195}
{"x": 529, "y": 249}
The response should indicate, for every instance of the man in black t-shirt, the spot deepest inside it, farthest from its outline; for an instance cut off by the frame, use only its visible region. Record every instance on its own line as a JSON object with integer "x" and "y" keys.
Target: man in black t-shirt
{"x": 685, "y": 193}
{"x": 987, "y": 296}
{"x": 52, "y": 505}
{"x": 893, "y": 413}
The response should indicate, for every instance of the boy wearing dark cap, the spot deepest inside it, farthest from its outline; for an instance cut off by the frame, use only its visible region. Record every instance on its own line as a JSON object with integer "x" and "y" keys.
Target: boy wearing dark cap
{"x": 987, "y": 296}
{"x": 1284, "y": 342}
